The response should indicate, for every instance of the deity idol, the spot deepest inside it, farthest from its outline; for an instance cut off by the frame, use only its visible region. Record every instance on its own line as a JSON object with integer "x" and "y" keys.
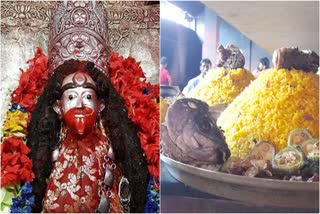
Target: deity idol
{"x": 85, "y": 150}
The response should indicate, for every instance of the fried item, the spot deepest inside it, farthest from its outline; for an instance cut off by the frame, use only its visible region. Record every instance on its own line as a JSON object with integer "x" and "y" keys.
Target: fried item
{"x": 288, "y": 161}
{"x": 310, "y": 148}
{"x": 298, "y": 136}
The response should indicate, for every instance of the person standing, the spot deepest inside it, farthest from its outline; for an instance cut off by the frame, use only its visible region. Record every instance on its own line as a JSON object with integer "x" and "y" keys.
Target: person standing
{"x": 205, "y": 66}
{"x": 264, "y": 64}
{"x": 165, "y": 78}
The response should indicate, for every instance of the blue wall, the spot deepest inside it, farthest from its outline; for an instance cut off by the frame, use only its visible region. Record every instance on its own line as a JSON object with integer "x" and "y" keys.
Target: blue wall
{"x": 229, "y": 35}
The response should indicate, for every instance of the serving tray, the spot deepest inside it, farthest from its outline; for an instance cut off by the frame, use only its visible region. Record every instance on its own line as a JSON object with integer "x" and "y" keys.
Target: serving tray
{"x": 260, "y": 191}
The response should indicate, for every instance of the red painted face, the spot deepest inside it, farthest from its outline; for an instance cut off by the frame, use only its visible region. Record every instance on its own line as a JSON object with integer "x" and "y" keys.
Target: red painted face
{"x": 80, "y": 120}
{"x": 79, "y": 106}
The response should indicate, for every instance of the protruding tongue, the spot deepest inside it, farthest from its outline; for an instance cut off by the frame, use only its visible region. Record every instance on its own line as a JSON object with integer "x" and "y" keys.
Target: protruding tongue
{"x": 80, "y": 125}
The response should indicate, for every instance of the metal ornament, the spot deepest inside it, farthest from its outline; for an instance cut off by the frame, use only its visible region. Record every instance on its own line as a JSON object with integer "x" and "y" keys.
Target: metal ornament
{"x": 104, "y": 204}
{"x": 111, "y": 153}
{"x": 108, "y": 177}
{"x": 78, "y": 79}
{"x": 124, "y": 194}
{"x": 79, "y": 31}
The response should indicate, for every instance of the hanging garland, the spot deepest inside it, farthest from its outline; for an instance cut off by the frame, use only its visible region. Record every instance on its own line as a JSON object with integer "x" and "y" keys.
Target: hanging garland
{"x": 16, "y": 167}
{"x": 142, "y": 102}
{"x": 141, "y": 99}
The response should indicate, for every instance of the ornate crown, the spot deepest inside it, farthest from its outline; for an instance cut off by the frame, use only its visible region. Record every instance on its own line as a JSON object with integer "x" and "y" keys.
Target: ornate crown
{"x": 79, "y": 31}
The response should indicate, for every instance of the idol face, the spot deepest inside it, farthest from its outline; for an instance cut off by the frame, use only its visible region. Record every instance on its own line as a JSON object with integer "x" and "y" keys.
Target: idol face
{"x": 79, "y": 110}
{"x": 79, "y": 105}
{"x": 79, "y": 98}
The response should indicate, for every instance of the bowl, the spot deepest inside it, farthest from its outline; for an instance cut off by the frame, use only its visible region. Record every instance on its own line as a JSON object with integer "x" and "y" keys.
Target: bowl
{"x": 169, "y": 91}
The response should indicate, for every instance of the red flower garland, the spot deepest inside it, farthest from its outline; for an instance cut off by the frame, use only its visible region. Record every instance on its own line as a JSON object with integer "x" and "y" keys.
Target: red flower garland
{"x": 32, "y": 82}
{"x": 16, "y": 167}
{"x": 130, "y": 82}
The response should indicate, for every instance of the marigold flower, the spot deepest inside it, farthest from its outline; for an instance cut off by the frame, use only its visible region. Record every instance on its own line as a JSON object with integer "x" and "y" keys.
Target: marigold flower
{"x": 16, "y": 122}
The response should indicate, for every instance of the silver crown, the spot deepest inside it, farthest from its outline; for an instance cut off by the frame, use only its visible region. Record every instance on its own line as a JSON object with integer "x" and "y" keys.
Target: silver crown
{"x": 79, "y": 31}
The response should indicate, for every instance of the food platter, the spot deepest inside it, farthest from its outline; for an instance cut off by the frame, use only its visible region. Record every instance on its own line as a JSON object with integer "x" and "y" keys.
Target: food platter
{"x": 260, "y": 191}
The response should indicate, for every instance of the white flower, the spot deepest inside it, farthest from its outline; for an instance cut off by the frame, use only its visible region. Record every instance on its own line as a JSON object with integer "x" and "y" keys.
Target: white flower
{"x": 8, "y": 84}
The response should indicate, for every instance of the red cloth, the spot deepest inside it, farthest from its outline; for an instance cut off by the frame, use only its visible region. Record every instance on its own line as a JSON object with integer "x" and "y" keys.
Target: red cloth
{"x": 165, "y": 78}
{"x": 77, "y": 175}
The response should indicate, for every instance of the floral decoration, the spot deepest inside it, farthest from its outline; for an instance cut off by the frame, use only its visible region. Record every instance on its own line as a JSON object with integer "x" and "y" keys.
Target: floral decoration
{"x": 7, "y": 86}
{"x": 16, "y": 167}
{"x": 142, "y": 102}
{"x": 31, "y": 82}
{"x": 141, "y": 99}
{"x": 24, "y": 201}
{"x": 15, "y": 124}
{"x": 153, "y": 199}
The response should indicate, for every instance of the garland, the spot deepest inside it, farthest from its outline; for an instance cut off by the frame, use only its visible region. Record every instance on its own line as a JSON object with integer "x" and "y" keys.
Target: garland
{"x": 16, "y": 167}
{"x": 141, "y": 99}
{"x": 142, "y": 102}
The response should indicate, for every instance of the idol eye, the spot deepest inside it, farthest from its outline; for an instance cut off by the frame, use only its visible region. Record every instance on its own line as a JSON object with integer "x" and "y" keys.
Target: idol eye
{"x": 89, "y": 96}
{"x": 70, "y": 97}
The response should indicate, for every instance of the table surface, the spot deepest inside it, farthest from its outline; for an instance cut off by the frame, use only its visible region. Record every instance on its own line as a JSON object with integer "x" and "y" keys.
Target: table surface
{"x": 176, "y": 197}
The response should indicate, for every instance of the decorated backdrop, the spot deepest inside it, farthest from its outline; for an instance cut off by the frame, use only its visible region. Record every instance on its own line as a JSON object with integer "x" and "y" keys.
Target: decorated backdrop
{"x": 133, "y": 31}
{"x": 134, "y": 38}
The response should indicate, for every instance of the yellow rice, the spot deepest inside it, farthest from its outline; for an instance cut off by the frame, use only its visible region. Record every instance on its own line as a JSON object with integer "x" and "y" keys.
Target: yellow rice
{"x": 269, "y": 108}
{"x": 221, "y": 86}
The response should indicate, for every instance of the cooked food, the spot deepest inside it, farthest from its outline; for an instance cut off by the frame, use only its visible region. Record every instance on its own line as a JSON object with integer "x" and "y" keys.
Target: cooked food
{"x": 233, "y": 166}
{"x": 221, "y": 86}
{"x": 311, "y": 149}
{"x": 294, "y": 163}
{"x": 256, "y": 164}
{"x": 191, "y": 135}
{"x": 288, "y": 161}
{"x": 271, "y": 128}
{"x": 269, "y": 108}
{"x": 230, "y": 57}
{"x": 298, "y": 136}
{"x": 261, "y": 154}
{"x": 227, "y": 81}
{"x": 289, "y": 58}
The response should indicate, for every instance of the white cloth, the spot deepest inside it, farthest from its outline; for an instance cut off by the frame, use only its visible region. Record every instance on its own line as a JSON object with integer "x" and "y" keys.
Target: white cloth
{"x": 191, "y": 85}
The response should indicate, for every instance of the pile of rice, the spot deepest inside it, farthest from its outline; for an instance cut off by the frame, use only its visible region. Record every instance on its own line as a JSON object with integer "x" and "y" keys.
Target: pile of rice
{"x": 221, "y": 86}
{"x": 274, "y": 104}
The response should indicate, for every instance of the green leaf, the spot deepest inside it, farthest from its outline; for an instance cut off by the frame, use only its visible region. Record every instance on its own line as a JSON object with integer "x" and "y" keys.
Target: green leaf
{"x": 7, "y": 193}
